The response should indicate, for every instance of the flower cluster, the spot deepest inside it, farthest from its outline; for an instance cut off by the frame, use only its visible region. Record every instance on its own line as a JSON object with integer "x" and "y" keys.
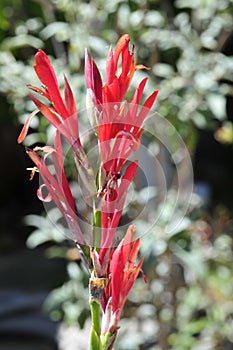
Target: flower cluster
{"x": 118, "y": 127}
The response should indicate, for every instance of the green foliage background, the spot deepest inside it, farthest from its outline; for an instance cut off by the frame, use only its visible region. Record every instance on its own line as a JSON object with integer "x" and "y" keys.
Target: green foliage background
{"x": 188, "y": 301}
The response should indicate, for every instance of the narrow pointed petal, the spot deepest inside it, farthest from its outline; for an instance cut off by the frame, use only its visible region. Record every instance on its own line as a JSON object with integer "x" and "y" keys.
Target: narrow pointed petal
{"x": 130, "y": 278}
{"x": 134, "y": 253}
{"x": 97, "y": 82}
{"x": 109, "y": 229}
{"x": 26, "y": 126}
{"x": 47, "y": 76}
{"x": 39, "y": 91}
{"x": 130, "y": 171}
{"x": 48, "y": 112}
{"x": 139, "y": 91}
{"x": 72, "y": 121}
{"x": 151, "y": 99}
{"x": 123, "y": 278}
{"x": 110, "y": 68}
{"x": 93, "y": 78}
{"x": 146, "y": 109}
{"x": 59, "y": 170}
{"x": 88, "y": 71}
{"x": 34, "y": 157}
{"x": 121, "y": 45}
{"x": 69, "y": 98}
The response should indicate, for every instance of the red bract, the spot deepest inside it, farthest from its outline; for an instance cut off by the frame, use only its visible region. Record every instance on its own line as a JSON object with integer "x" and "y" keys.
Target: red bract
{"x": 123, "y": 273}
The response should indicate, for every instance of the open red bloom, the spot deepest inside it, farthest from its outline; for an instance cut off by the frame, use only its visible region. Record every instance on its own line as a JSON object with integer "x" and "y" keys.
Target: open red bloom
{"x": 116, "y": 83}
{"x": 123, "y": 269}
{"x": 62, "y": 115}
{"x": 111, "y": 211}
{"x": 119, "y": 126}
{"x": 123, "y": 273}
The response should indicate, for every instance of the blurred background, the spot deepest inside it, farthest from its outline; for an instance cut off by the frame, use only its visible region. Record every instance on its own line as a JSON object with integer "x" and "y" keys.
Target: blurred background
{"x": 188, "y": 300}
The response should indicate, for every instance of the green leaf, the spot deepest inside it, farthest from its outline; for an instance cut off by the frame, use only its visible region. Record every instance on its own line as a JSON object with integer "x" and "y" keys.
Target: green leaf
{"x": 21, "y": 41}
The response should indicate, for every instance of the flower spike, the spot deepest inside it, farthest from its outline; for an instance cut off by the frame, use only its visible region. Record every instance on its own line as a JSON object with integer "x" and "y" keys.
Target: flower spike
{"x": 112, "y": 261}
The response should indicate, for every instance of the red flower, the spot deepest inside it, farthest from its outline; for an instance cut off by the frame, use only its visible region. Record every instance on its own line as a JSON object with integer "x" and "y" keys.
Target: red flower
{"x": 116, "y": 84}
{"x": 111, "y": 211}
{"x": 62, "y": 116}
{"x": 57, "y": 185}
{"x": 123, "y": 273}
{"x": 119, "y": 127}
{"x": 112, "y": 207}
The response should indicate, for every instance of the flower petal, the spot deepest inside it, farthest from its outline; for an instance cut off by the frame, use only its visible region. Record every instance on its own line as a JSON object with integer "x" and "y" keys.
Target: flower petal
{"x": 47, "y": 76}
{"x": 110, "y": 67}
{"x": 48, "y": 112}
{"x": 139, "y": 91}
{"x": 151, "y": 99}
{"x": 69, "y": 98}
{"x": 93, "y": 78}
{"x": 26, "y": 126}
{"x": 40, "y": 195}
{"x": 121, "y": 45}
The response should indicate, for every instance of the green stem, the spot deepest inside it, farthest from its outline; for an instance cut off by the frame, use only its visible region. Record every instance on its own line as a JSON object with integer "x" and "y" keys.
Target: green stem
{"x": 97, "y": 229}
{"x": 95, "y": 316}
{"x": 95, "y": 342}
{"x": 96, "y": 288}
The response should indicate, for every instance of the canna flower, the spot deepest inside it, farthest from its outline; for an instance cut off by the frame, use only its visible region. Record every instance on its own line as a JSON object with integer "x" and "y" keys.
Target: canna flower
{"x": 113, "y": 204}
{"x": 63, "y": 116}
{"x": 119, "y": 128}
{"x": 116, "y": 84}
{"x": 56, "y": 185}
{"x": 111, "y": 211}
{"x": 123, "y": 272}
